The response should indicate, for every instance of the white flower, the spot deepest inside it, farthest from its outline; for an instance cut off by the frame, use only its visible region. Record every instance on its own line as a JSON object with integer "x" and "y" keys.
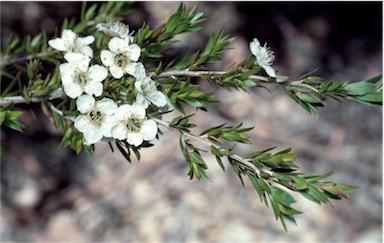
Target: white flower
{"x": 97, "y": 118}
{"x": 78, "y": 77}
{"x": 147, "y": 91}
{"x": 116, "y": 29}
{"x": 133, "y": 125}
{"x": 74, "y": 46}
{"x": 264, "y": 56}
{"x": 121, "y": 58}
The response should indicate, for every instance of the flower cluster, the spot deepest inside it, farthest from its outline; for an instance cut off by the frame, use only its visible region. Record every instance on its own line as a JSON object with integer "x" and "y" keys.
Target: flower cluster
{"x": 82, "y": 80}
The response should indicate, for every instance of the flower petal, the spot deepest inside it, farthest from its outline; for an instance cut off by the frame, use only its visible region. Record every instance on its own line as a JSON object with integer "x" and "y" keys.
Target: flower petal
{"x": 82, "y": 123}
{"x": 139, "y": 71}
{"x": 131, "y": 69}
{"x": 157, "y": 98}
{"x": 123, "y": 112}
{"x": 57, "y": 44}
{"x": 141, "y": 100}
{"x": 86, "y": 50}
{"x": 107, "y": 106}
{"x": 67, "y": 78}
{"x": 134, "y": 139}
{"x": 82, "y": 64}
{"x": 66, "y": 68}
{"x": 85, "y": 103}
{"x": 107, "y": 125}
{"x": 270, "y": 71}
{"x": 254, "y": 46}
{"x": 149, "y": 130}
{"x": 138, "y": 85}
{"x": 69, "y": 36}
{"x": 119, "y": 131}
{"x": 116, "y": 71}
{"x": 92, "y": 135}
{"x": 85, "y": 41}
{"x": 106, "y": 58}
{"x": 97, "y": 73}
{"x": 117, "y": 45}
{"x": 134, "y": 52}
{"x": 72, "y": 90}
{"x": 74, "y": 57}
{"x": 94, "y": 88}
{"x": 138, "y": 110}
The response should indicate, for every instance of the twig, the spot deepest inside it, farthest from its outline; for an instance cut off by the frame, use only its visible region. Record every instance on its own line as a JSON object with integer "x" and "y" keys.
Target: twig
{"x": 187, "y": 73}
{"x": 300, "y": 84}
{"x": 21, "y": 100}
{"x": 236, "y": 157}
{"x": 53, "y": 108}
{"x": 179, "y": 73}
{"x": 7, "y": 61}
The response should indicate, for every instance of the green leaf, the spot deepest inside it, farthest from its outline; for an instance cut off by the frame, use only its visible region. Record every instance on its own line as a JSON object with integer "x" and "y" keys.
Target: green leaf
{"x": 316, "y": 193}
{"x": 90, "y": 12}
{"x": 345, "y": 187}
{"x": 335, "y": 191}
{"x": 359, "y": 88}
{"x": 264, "y": 185}
{"x": 282, "y": 196}
{"x": 316, "y": 178}
{"x": 124, "y": 152}
{"x": 2, "y": 117}
{"x": 299, "y": 183}
{"x": 275, "y": 206}
{"x": 308, "y": 196}
{"x": 290, "y": 218}
{"x": 196, "y": 158}
{"x": 288, "y": 210}
{"x": 334, "y": 85}
{"x": 256, "y": 185}
{"x": 373, "y": 97}
{"x": 136, "y": 151}
{"x": 172, "y": 22}
{"x": 248, "y": 83}
{"x": 309, "y": 98}
{"x": 220, "y": 162}
{"x": 375, "y": 79}
{"x": 13, "y": 124}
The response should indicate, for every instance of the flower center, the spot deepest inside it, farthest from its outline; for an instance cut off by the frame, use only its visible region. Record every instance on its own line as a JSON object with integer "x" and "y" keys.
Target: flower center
{"x": 81, "y": 78}
{"x": 96, "y": 117}
{"x": 122, "y": 60}
{"x": 269, "y": 55}
{"x": 75, "y": 47}
{"x": 147, "y": 88}
{"x": 134, "y": 124}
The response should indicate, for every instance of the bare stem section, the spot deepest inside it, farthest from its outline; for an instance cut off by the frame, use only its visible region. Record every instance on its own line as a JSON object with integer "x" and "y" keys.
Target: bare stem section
{"x": 21, "y": 100}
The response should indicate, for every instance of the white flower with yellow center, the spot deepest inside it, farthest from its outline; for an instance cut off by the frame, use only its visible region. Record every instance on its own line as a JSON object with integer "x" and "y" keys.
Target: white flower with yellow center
{"x": 147, "y": 89}
{"x": 132, "y": 125}
{"x": 74, "y": 46}
{"x": 264, "y": 56}
{"x": 121, "y": 57}
{"x": 96, "y": 119}
{"x": 78, "y": 78}
{"x": 116, "y": 29}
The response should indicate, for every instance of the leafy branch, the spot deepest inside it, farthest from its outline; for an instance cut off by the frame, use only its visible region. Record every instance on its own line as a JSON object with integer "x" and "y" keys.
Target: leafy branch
{"x": 30, "y": 74}
{"x": 311, "y": 92}
{"x": 267, "y": 172}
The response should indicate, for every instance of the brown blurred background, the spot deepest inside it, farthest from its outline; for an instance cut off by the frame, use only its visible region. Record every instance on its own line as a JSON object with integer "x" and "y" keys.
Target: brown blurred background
{"x": 50, "y": 194}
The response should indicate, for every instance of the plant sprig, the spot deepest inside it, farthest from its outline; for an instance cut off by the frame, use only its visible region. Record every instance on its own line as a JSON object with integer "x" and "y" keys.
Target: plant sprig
{"x": 28, "y": 77}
